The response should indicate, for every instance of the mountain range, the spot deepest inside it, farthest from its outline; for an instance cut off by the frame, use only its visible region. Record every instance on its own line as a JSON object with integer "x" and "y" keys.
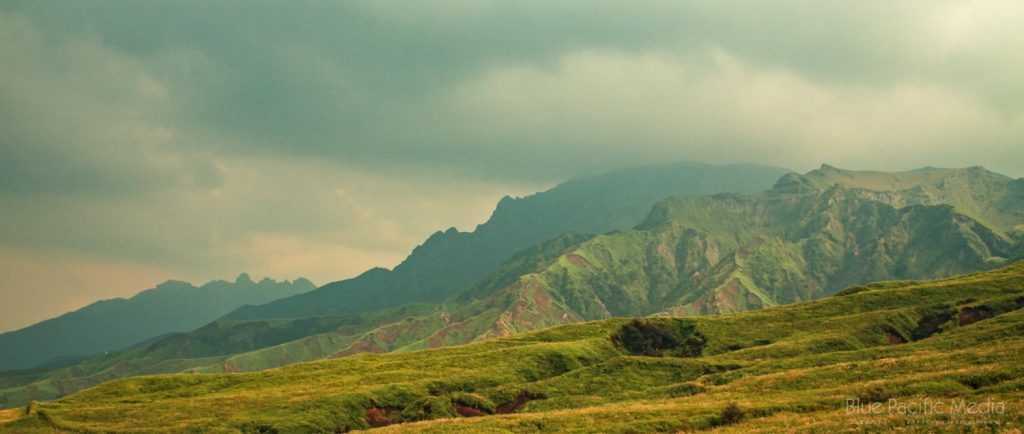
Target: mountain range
{"x": 797, "y": 238}
{"x": 723, "y": 253}
{"x": 445, "y": 263}
{"x": 449, "y": 261}
{"x": 108, "y": 325}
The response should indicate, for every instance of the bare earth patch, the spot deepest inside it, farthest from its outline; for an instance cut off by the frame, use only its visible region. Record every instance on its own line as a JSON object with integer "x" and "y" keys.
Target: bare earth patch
{"x": 11, "y": 415}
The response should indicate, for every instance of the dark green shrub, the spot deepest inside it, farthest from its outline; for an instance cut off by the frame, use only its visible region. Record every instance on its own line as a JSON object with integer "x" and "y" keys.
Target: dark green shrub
{"x": 731, "y": 413}
{"x": 653, "y": 337}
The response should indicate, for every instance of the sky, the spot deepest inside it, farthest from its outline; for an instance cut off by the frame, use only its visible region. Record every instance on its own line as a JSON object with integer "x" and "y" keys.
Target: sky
{"x": 149, "y": 140}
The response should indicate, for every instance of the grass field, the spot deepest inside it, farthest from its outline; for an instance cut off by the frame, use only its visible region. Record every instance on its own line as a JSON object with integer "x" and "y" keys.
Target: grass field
{"x": 915, "y": 356}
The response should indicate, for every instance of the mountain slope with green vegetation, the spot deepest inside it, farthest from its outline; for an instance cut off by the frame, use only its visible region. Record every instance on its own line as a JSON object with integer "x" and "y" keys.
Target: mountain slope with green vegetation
{"x": 449, "y": 261}
{"x": 992, "y": 198}
{"x": 115, "y": 324}
{"x": 792, "y": 368}
{"x": 726, "y": 253}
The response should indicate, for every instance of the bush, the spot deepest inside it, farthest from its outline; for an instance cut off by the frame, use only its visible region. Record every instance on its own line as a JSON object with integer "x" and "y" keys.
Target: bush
{"x": 874, "y": 393}
{"x": 731, "y": 413}
{"x": 649, "y": 337}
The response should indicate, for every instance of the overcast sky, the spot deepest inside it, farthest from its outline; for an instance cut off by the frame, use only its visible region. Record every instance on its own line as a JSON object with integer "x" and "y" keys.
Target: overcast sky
{"x": 148, "y": 140}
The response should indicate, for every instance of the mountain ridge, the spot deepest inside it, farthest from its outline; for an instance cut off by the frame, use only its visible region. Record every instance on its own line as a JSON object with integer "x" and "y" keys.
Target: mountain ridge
{"x": 112, "y": 324}
{"x": 486, "y": 311}
{"x": 448, "y": 261}
{"x": 728, "y": 273}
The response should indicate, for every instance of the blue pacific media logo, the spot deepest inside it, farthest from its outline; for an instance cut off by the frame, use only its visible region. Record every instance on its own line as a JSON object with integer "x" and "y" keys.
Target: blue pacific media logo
{"x": 956, "y": 411}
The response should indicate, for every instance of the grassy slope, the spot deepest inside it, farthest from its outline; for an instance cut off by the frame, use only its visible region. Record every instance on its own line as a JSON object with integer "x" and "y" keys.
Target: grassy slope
{"x": 222, "y": 346}
{"x": 788, "y": 368}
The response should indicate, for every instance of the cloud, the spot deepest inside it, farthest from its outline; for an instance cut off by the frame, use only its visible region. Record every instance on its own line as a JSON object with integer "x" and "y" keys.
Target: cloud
{"x": 82, "y": 118}
{"x": 366, "y": 82}
{"x": 198, "y": 139}
{"x": 653, "y": 106}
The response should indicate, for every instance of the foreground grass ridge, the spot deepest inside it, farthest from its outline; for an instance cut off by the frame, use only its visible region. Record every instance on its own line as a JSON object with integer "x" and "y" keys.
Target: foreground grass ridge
{"x": 779, "y": 369}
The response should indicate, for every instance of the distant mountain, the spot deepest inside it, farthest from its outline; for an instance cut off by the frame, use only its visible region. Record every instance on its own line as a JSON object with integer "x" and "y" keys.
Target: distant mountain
{"x": 107, "y": 325}
{"x": 450, "y": 261}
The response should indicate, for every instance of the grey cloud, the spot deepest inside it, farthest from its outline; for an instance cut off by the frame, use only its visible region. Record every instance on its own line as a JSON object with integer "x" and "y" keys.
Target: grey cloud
{"x": 82, "y": 119}
{"x": 365, "y": 81}
{"x": 190, "y": 137}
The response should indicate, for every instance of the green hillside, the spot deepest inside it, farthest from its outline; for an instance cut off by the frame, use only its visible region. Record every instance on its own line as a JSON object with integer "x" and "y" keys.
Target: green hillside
{"x": 114, "y": 324}
{"x": 987, "y": 196}
{"x": 714, "y": 254}
{"x": 723, "y": 253}
{"x": 792, "y": 368}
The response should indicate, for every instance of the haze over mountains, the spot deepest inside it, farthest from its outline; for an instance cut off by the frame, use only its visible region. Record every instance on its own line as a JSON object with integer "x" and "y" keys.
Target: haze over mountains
{"x": 108, "y": 325}
{"x": 790, "y": 238}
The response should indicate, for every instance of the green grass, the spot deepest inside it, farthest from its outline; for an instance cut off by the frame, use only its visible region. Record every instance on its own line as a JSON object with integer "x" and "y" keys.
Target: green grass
{"x": 788, "y": 368}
